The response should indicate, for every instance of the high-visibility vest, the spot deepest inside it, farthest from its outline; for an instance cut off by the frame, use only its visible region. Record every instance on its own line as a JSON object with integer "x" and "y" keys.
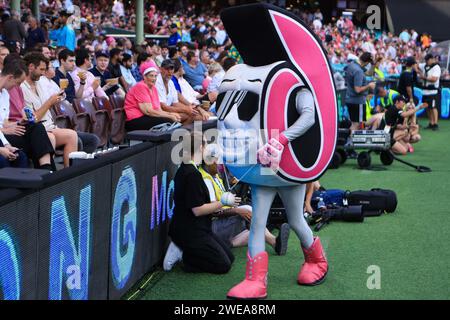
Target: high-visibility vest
{"x": 368, "y": 110}
{"x": 217, "y": 183}
{"x": 379, "y": 74}
{"x": 390, "y": 98}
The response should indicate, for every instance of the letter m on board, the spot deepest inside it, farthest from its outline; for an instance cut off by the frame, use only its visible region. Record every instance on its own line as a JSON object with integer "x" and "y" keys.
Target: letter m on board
{"x": 64, "y": 252}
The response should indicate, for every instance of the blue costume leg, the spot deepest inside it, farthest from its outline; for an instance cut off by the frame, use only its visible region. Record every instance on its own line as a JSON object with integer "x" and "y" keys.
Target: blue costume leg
{"x": 262, "y": 198}
{"x": 293, "y": 198}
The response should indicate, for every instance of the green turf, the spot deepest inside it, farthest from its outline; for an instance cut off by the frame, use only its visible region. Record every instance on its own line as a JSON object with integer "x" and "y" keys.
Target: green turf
{"x": 411, "y": 246}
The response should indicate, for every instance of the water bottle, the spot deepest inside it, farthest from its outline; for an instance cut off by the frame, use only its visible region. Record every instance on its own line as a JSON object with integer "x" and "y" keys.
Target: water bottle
{"x": 29, "y": 114}
{"x": 321, "y": 205}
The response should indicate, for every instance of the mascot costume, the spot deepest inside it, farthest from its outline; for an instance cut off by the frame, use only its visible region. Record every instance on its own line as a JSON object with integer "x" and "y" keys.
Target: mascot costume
{"x": 285, "y": 92}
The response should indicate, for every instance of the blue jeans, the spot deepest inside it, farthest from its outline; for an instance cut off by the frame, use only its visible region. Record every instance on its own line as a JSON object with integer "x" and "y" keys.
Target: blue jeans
{"x": 20, "y": 162}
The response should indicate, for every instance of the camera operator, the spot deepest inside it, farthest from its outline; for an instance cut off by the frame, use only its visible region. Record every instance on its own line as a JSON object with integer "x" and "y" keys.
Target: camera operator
{"x": 430, "y": 73}
{"x": 394, "y": 121}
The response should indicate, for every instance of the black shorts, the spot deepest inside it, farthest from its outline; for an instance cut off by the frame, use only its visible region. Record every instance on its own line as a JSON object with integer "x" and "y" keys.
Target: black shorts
{"x": 432, "y": 100}
{"x": 357, "y": 112}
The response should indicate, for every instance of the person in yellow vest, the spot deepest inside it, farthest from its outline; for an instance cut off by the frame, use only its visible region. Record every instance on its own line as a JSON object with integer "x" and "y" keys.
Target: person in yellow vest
{"x": 386, "y": 97}
{"x": 232, "y": 226}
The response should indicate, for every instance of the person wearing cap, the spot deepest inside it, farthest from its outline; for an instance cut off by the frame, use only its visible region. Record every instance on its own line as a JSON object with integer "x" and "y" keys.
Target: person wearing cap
{"x": 430, "y": 74}
{"x": 408, "y": 78}
{"x": 357, "y": 88}
{"x": 175, "y": 36}
{"x": 170, "y": 98}
{"x": 101, "y": 71}
{"x": 142, "y": 105}
{"x": 394, "y": 122}
{"x": 64, "y": 35}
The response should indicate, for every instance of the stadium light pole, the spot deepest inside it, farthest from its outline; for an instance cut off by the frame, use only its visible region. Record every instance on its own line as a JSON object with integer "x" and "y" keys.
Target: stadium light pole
{"x": 36, "y": 10}
{"x": 139, "y": 21}
{"x": 15, "y": 5}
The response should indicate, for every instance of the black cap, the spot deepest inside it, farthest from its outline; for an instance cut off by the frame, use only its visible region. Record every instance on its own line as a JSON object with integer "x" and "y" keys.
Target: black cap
{"x": 366, "y": 57}
{"x": 429, "y": 56}
{"x": 399, "y": 98}
{"x": 168, "y": 64}
{"x": 410, "y": 61}
{"x": 65, "y": 13}
{"x": 99, "y": 54}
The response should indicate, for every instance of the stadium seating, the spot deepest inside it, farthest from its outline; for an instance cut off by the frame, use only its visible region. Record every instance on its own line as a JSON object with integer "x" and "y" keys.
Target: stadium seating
{"x": 99, "y": 119}
{"x": 116, "y": 118}
{"x": 65, "y": 116}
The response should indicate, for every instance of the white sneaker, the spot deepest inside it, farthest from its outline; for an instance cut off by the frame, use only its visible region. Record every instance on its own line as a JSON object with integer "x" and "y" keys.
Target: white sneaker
{"x": 173, "y": 255}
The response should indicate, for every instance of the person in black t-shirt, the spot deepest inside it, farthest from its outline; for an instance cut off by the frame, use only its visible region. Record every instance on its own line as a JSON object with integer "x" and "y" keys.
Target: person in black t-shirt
{"x": 408, "y": 78}
{"x": 190, "y": 228}
{"x": 394, "y": 119}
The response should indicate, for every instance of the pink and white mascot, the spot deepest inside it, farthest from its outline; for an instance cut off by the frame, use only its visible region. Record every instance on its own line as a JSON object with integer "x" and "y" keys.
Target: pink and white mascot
{"x": 277, "y": 120}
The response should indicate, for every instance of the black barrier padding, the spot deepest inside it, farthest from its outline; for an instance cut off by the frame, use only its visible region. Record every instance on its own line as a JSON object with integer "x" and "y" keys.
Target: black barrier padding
{"x": 19, "y": 232}
{"x": 143, "y": 168}
{"x": 89, "y": 192}
{"x": 8, "y": 195}
{"x": 89, "y": 165}
{"x": 164, "y": 163}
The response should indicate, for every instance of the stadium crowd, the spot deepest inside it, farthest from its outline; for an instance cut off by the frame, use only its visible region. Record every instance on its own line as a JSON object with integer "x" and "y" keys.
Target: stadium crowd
{"x": 177, "y": 79}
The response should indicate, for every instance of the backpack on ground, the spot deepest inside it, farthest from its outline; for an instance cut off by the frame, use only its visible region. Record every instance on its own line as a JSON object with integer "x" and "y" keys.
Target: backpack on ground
{"x": 374, "y": 202}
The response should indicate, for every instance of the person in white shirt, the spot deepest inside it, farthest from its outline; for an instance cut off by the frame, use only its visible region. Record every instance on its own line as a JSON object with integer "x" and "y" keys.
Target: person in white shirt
{"x": 92, "y": 87}
{"x": 35, "y": 95}
{"x": 31, "y": 138}
{"x": 168, "y": 95}
{"x": 118, "y": 8}
{"x": 216, "y": 73}
{"x": 125, "y": 68}
{"x": 430, "y": 73}
{"x": 186, "y": 94}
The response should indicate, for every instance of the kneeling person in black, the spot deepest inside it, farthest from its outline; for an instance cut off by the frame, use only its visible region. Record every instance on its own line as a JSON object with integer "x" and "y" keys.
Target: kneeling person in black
{"x": 190, "y": 228}
{"x": 394, "y": 117}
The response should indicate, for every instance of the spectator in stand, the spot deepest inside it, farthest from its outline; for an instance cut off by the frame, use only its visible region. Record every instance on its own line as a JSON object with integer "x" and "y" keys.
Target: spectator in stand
{"x": 13, "y": 31}
{"x": 185, "y": 92}
{"x": 87, "y": 142}
{"x": 11, "y": 156}
{"x": 4, "y": 51}
{"x": 357, "y": 88}
{"x": 29, "y": 137}
{"x": 125, "y": 69}
{"x": 63, "y": 78}
{"x": 142, "y": 105}
{"x": 36, "y": 97}
{"x": 195, "y": 70}
{"x": 64, "y": 34}
{"x": 141, "y": 58}
{"x": 216, "y": 73}
{"x": 36, "y": 34}
{"x": 92, "y": 89}
{"x": 169, "y": 98}
{"x": 175, "y": 36}
{"x": 115, "y": 60}
{"x": 108, "y": 84}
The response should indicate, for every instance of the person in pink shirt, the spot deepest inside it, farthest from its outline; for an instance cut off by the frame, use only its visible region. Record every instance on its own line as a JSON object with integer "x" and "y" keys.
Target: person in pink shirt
{"x": 92, "y": 88}
{"x": 142, "y": 105}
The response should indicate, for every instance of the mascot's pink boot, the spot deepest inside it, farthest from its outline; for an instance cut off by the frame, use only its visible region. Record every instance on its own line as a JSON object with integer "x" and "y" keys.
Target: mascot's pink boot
{"x": 255, "y": 284}
{"x": 315, "y": 267}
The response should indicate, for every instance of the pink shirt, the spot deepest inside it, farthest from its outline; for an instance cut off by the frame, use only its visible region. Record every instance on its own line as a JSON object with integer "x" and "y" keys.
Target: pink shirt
{"x": 140, "y": 93}
{"x": 16, "y": 103}
{"x": 88, "y": 92}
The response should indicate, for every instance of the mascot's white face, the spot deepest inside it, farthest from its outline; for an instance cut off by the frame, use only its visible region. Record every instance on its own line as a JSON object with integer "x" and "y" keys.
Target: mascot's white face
{"x": 238, "y": 112}
{"x": 239, "y": 122}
